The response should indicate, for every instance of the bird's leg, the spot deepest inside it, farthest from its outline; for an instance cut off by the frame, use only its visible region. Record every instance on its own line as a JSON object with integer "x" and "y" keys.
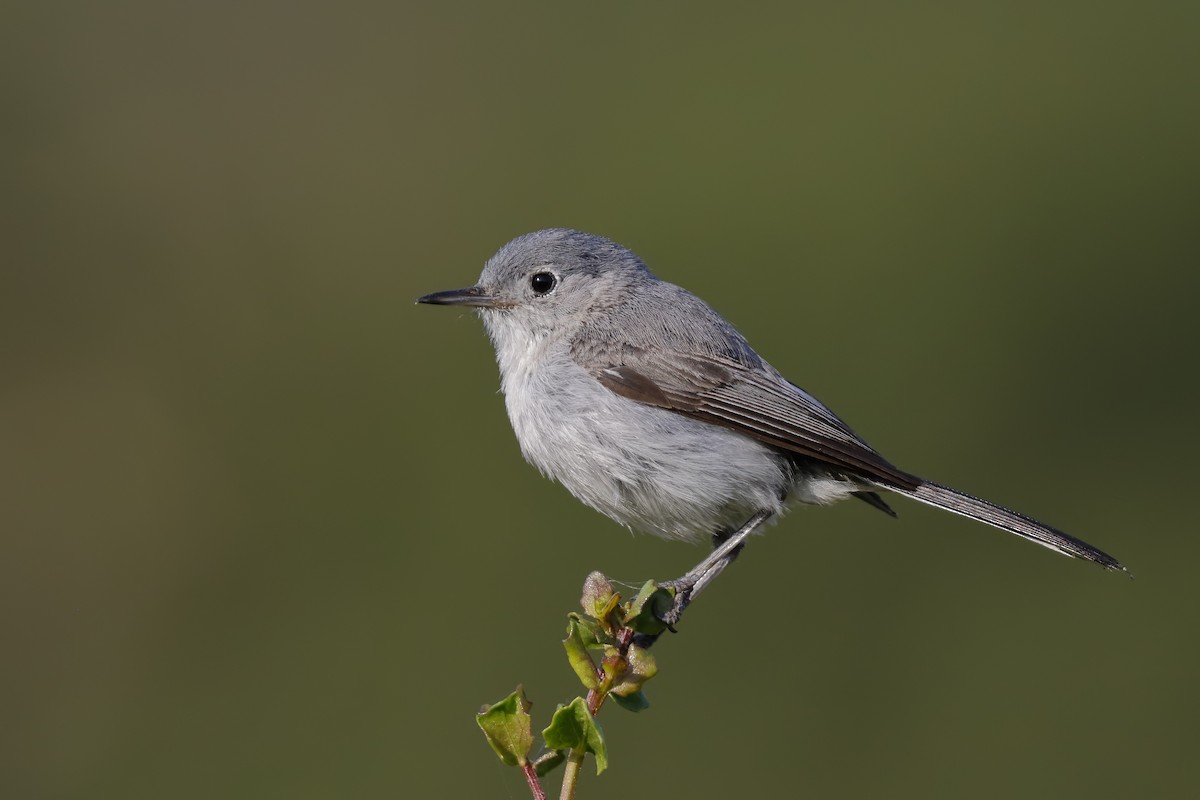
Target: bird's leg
{"x": 727, "y": 547}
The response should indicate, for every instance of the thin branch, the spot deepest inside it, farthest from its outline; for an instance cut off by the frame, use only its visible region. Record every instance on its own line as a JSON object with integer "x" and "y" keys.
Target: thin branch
{"x": 571, "y": 774}
{"x": 531, "y": 777}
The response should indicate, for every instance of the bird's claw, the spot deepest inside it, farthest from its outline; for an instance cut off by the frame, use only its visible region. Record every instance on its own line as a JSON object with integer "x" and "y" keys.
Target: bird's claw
{"x": 683, "y": 597}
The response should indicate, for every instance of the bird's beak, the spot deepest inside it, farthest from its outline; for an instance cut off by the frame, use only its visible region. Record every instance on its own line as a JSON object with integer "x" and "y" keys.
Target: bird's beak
{"x": 473, "y": 296}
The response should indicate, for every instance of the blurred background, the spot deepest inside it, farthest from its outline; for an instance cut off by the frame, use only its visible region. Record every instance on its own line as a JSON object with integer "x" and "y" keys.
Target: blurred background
{"x": 266, "y": 531}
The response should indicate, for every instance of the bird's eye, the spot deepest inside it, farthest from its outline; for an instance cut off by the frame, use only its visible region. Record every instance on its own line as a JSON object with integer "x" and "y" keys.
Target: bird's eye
{"x": 542, "y": 282}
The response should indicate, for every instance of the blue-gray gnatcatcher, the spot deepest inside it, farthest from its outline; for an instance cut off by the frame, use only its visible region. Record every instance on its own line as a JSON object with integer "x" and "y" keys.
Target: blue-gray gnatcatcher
{"x": 652, "y": 409}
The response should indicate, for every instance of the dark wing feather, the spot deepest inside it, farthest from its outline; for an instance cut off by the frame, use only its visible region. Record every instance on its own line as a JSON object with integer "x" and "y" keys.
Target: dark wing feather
{"x": 750, "y": 400}
{"x": 873, "y": 499}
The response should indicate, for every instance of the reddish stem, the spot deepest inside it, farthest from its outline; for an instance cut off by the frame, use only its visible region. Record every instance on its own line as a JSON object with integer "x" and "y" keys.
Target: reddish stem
{"x": 531, "y": 778}
{"x": 596, "y": 699}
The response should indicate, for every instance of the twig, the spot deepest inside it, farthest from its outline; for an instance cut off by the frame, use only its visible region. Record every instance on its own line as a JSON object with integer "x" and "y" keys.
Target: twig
{"x": 531, "y": 777}
{"x": 571, "y": 774}
{"x": 573, "y": 733}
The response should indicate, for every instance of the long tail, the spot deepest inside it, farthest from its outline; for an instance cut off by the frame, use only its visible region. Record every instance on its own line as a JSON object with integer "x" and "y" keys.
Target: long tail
{"x": 972, "y": 507}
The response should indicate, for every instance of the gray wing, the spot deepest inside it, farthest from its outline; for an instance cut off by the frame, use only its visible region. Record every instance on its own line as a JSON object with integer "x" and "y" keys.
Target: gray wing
{"x": 747, "y": 398}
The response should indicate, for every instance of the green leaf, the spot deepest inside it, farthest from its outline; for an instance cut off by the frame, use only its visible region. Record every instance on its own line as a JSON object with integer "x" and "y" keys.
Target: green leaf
{"x": 645, "y": 612}
{"x": 548, "y": 761}
{"x": 507, "y": 726}
{"x": 577, "y": 654}
{"x": 597, "y": 592}
{"x": 633, "y": 702}
{"x": 590, "y": 632}
{"x": 639, "y": 668}
{"x": 573, "y": 727}
{"x": 613, "y": 665}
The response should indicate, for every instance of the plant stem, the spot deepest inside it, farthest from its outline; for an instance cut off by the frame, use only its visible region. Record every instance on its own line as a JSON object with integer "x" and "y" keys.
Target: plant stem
{"x": 571, "y": 773}
{"x": 531, "y": 778}
{"x": 595, "y": 699}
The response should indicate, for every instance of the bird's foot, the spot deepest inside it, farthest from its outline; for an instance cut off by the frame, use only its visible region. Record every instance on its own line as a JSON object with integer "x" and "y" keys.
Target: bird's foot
{"x": 684, "y": 592}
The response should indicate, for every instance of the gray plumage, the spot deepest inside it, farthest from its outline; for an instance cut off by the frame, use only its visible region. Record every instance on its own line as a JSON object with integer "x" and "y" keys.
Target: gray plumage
{"x": 650, "y": 407}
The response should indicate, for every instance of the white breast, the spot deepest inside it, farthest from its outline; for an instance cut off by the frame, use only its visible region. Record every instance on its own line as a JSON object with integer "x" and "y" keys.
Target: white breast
{"x": 645, "y": 467}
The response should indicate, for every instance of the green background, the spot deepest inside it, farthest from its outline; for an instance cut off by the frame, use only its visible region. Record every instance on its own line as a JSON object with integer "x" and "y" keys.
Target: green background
{"x": 267, "y": 533}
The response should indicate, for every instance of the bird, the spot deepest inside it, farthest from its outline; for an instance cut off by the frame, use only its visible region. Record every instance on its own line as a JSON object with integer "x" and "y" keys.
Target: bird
{"x": 650, "y": 407}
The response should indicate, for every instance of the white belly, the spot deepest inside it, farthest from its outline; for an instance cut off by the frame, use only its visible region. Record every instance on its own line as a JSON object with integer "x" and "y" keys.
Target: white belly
{"x": 645, "y": 467}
